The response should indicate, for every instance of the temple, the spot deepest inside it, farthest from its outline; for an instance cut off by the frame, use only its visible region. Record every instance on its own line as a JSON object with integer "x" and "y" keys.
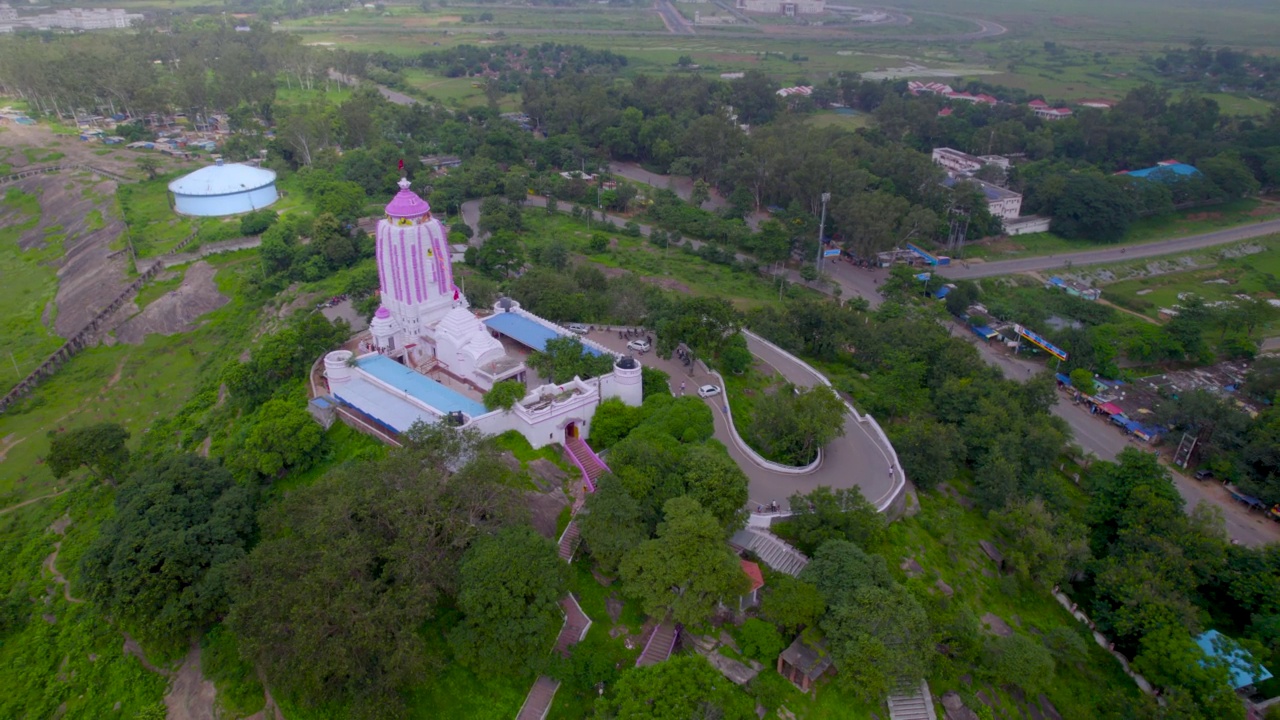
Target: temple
{"x": 427, "y": 357}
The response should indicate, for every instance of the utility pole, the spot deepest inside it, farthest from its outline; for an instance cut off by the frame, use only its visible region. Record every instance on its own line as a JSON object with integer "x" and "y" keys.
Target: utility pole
{"x": 822, "y": 224}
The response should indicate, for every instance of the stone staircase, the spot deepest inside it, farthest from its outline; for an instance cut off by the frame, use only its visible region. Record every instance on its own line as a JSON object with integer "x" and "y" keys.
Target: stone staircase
{"x": 538, "y": 702}
{"x": 576, "y": 625}
{"x": 771, "y": 549}
{"x": 588, "y": 462}
{"x": 569, "y": 540}
{"x": 911, "y": 702}
{"x": 658, "y": 649}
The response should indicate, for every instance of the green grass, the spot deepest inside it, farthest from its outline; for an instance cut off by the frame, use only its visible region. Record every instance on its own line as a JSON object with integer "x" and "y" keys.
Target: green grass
{"x": 455, "y": 92}
{"x": 41, "y": 155}
{"x": 131, "y": 385}
{"x": 1178, "y": 224}
{"x": 1253, "y": 275}
{"x": 845, "y": 121}
{"x": 943, "y": 539}
{"x": 239, "y": 691}
{"x": 154, "y": 228}
{"x": 672, "y": 268}
{"x": 31, "y": 284}
{"x": 73, "y": 662}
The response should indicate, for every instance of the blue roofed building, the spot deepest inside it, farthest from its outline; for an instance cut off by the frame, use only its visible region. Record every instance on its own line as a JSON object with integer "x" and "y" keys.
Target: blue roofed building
{"x": 1243, "y": 669}
{"x": 1164, "y": 171}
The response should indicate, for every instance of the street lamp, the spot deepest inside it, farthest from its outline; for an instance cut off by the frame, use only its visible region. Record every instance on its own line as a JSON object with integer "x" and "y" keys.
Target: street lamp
{"x": 826, "y": 197}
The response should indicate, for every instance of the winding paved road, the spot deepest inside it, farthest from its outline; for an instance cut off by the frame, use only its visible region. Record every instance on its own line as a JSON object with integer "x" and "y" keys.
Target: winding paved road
{"x": 1112, "y": 255}
{"x": 855, "y": 459}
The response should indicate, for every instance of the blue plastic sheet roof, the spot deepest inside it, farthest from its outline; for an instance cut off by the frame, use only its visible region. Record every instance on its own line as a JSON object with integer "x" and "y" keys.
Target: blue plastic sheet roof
{"x": 1239, "y": 661}
{"x": 525, "y": 331}
{"x": 418, "y": 386}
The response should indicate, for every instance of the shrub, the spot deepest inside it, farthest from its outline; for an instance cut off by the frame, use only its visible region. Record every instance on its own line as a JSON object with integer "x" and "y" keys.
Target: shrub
{"x": 760, "y": 640}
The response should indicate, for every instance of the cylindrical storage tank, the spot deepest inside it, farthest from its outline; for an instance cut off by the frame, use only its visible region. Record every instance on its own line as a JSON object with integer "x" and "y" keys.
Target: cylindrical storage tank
{"x": 336, "y": 369}
{"x": 220, "y": 189}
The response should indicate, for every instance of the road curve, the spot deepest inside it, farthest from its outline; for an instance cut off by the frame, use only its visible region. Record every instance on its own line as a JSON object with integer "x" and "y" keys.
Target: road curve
{"x": 855, "y": 459}
{"x": 1112, "y": 255}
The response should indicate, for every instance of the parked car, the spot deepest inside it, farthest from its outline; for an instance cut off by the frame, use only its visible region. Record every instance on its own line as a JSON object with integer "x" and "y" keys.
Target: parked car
{"x": 578, "y": 328}
{"x": 639, "y": 345}
{"x": 1203, "y": 475}
{"x": 707, "y": 391}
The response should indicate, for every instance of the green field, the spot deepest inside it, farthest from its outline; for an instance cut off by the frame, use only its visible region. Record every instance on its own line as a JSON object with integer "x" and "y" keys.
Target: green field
{"x": 455, "y": 92}
{"x": 31, "y": 283}
{"x": 1255, "y": 275}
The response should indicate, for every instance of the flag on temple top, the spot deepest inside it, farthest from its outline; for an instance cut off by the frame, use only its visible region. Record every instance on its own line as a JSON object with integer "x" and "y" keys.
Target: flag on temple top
{"x": 455, "y": 293}
{"x": 401, "y": 164}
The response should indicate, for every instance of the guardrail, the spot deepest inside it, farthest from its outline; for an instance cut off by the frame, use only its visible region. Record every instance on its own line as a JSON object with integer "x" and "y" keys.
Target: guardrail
{"x": 899, "y": 476}
{"x": 749, "y": 451}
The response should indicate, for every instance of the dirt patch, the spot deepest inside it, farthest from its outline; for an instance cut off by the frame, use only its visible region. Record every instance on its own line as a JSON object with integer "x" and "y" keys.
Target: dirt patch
{"x": 613, "y": 606}
{"x": 1196, "y": 217}
{"x": 176, "y": 311}
{"x": 190, "y": 695}
{"x": 131, "y": 647}
{"x": 996, "y": 625}
{"x": 668, "y": 284}
{"x": 7, "y": 443}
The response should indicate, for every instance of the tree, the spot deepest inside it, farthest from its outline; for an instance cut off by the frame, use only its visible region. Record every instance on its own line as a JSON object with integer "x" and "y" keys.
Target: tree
{"x": 792, "y": 604}
{"x": 928, "y": 450}
{"x": 1171, "y": 660}
{"x": 500, "y": 256}
{"x": 963, "y": 295}
{"x": 564, "y": 358}
{"x": 760, "y": 640}
{"x": 1230, "y": 174}
{"x": 790, "y": 425}
{"x": 686, "y": 686}
{"x": 611, "y": 525}
{"x": 149, "y": 165}
{"x": 100, "y": 447}
{"x": 700, "y": 194}
{"x": 877, "y": 636}
{"x": 509, "y": 589}
{"x": 734, "y": 356}
{"x": 283, "y": 435}
{"x": 1092, "y": 207}
{"x": 839, "y": 569}
{"x": 1018, "y": 660}
{"x": 1082, "y": 380}
{"x": 1038, "y": 545}
{"x": 717, "y": 482}
{"x": 331, "y": 602}
{"x": 654, "y": 382}
{"x": 688, "y": 570}
{"x": 824, "y": 515}
{"x": 504, "y": 395}
{"x": 160, "y": 565}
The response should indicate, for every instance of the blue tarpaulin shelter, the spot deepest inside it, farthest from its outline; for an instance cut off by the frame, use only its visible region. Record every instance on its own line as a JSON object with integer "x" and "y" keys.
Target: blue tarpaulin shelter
{"x": 1240, "y": 663}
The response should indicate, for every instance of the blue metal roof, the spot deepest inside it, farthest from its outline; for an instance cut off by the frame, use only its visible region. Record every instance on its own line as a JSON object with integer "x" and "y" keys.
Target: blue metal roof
{"x": 418, "y": 386}
{"x": 525, "y": 331}
{"x": 1239, "y": 661}
{"x": 1182, "y": 169}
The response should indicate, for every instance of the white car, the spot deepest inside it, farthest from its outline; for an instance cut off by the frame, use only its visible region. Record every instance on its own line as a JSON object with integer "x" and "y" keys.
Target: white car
{"x": 708, "y": 391}
{"x": 578, "y": 328}
{"x": 639, "y": 345}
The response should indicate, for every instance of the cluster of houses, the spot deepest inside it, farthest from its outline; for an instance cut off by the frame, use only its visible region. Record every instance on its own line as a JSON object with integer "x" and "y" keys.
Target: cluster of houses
{"x": 172, "y": 136}
{"x": 1040, "y": 108}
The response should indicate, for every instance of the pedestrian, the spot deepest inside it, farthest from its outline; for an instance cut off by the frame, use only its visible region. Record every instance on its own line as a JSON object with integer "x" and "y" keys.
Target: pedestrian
{"x": 682, "y": 388}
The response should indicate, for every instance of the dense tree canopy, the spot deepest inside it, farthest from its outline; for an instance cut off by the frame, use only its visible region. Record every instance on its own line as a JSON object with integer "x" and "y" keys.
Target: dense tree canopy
{"x": 100, "y": 447}
{"x": 329, "y": 604}
{"x": 161, "y": 564}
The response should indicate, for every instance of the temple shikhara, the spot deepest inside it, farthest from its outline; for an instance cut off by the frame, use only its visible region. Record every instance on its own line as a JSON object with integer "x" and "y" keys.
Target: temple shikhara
{"x": 428, "y": 357}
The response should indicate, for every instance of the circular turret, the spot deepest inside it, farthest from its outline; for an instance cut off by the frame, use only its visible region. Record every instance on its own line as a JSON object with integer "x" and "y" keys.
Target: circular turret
{"x": 337, "y": 366}
{"x": 382, "y": 328}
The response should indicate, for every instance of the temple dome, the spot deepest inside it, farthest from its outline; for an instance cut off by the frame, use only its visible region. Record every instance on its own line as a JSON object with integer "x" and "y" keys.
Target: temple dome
{"x": 407, "y": 203}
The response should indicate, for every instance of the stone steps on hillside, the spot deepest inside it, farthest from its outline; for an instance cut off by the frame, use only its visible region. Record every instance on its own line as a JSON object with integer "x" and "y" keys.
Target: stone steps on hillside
{"x": 912, "y": 702}
{"x": 538, "y": 702}
{"x": 772, "y": 550}
{"x": 569, "y": 541}
{"x": 658, "y": 649}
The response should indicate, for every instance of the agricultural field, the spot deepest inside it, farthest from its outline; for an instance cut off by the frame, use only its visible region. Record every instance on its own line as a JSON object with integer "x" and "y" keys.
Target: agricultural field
{"x": 454, "y": 92}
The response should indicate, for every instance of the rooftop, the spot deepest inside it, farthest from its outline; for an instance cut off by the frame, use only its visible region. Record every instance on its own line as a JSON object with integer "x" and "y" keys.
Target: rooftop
{"x": 992, "y": 192}
{"x": 1240, "y": 663}
{"x": 222, "y": 180}
{"x": 1168, "y": 168}
{"x": 406, "y": 203}
{"x": 418, "y": 386}
{"x": 527, "y": 332}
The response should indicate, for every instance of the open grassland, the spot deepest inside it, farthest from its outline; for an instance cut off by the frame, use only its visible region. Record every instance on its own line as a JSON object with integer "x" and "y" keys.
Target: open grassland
{"x": 31, "y": 283}
{"x": 844, "y": 120}
{"x": 1239, "y": 23}
{"x": 126, "y": 384}
{"x": 455, "y": 92}
{"x": 672, "y": 268}
{"x": 1179, "y": 224}
{"x": 1218, "y": 278}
